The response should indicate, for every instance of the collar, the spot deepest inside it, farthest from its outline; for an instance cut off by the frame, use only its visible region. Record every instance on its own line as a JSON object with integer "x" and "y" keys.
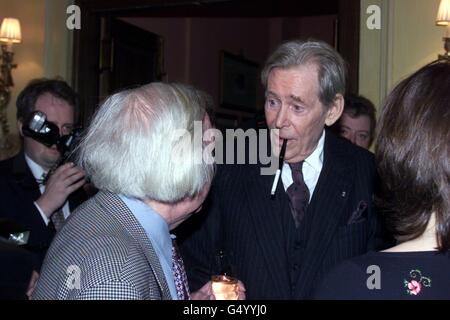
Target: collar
{"x": 37, "y": 171}
{"x": 315, "y": 159}
{"x": 311, "y": 169}
{"x": 154, "y": 225}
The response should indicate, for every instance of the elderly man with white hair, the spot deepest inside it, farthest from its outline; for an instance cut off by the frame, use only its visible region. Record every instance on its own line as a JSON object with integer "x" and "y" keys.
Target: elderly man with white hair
{"x": 118, "y": 244}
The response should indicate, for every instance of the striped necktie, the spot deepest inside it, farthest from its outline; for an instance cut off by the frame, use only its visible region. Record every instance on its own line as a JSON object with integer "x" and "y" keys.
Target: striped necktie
{"x": 58, "y": 219}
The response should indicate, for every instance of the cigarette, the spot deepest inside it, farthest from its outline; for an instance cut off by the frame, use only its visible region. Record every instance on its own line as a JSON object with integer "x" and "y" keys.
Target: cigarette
{"x": 275, "y": 182}
{"x": 280, "y": 167}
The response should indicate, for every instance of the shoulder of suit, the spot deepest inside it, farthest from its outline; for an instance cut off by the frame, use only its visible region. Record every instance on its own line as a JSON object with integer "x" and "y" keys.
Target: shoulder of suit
{"x": 225, "y": 172}
{"x": 108, "y": 232}
{"x": 349, "y": 148}
{"x": 6, "y": 165}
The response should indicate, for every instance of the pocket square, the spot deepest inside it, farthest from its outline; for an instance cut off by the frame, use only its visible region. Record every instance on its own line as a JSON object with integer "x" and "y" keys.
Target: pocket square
{"x": 359, "y": 214}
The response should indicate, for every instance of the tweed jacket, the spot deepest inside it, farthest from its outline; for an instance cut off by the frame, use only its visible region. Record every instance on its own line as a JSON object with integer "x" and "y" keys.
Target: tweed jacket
{"x": 102, "y": 253}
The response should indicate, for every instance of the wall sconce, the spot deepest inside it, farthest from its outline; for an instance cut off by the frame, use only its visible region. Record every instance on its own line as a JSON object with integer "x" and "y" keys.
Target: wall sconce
{"x": 9, "y": 34}
{"x": 443, "y": 19}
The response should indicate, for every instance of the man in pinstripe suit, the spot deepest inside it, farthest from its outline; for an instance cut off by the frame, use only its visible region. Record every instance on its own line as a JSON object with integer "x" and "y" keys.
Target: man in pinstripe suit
{"x": 278, "y": 249}
{"x": 118, "y": 244}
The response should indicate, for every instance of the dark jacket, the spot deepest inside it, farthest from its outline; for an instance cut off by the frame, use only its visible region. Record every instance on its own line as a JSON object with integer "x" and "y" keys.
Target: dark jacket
{"x": 18, "y": 191}
{"x": 268, "y": 254}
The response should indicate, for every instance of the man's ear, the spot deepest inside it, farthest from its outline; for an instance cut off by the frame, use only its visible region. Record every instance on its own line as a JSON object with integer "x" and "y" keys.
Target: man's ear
{"x": 19, "y": 126}
{"x": 335, "y": 110}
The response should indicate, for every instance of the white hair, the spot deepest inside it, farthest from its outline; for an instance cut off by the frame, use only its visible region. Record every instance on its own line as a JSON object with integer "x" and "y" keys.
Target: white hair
{"x": 132, "y": 140}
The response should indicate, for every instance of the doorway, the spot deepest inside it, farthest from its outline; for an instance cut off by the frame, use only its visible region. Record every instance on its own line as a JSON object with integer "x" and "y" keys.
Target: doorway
{"x": 129, "y": 56}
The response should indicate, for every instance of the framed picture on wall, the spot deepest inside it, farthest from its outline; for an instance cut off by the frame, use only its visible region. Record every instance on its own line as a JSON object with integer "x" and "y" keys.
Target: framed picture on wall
{"x": 239, "y": 78}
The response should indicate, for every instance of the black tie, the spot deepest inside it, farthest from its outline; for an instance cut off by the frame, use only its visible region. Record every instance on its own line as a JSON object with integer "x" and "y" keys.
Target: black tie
{"x": 298, "y": 193}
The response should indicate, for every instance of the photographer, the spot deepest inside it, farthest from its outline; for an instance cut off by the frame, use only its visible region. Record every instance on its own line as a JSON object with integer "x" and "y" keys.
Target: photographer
{"x": 29, "y": 197}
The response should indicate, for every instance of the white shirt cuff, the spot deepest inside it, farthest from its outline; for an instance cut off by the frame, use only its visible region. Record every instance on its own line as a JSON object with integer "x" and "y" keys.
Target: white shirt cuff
{"x": 44, "y": 217}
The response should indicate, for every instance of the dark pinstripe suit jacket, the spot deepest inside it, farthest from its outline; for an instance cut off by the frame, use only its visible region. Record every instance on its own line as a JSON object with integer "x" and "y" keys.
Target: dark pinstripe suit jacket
{"x": 105, "y": 245}
{"x": 243, "y": 220}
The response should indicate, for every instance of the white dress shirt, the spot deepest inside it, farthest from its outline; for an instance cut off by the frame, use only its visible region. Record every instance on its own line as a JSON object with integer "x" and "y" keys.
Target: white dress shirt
{"x": 312, "y": 166}
{"x": 38, "y": 172}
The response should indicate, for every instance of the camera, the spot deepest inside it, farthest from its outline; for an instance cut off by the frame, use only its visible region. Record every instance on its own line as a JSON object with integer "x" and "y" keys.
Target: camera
{"x": 40, "y": 129}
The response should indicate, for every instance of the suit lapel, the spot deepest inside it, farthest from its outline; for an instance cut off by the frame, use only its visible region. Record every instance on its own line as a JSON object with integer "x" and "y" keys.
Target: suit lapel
{"x": 327, "y": 206}
{"x": 114, "y": 205}
{"x": 23, "y": 176}
{"x": 266, "y": 216}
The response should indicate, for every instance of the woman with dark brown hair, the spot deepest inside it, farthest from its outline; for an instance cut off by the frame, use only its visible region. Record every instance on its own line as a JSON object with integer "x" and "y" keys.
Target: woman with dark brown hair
{"x": 413, "y": 157}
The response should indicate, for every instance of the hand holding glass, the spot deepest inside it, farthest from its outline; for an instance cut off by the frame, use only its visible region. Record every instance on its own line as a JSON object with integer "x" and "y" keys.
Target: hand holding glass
{"x": 225, "y": 287}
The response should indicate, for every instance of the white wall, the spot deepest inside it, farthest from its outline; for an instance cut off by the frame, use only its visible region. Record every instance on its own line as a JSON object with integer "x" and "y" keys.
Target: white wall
{"x": 45, "y": 49}
{"x": 58, "y": 40}
{"x": 408, "y": 40}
